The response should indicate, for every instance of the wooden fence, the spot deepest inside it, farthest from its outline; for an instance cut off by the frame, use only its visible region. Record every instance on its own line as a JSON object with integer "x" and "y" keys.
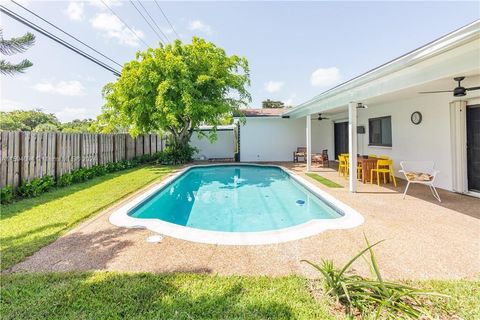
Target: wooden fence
{"x": 28, "y": 155}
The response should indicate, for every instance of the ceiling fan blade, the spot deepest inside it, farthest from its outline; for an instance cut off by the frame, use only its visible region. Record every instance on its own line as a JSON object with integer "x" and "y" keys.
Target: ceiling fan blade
{"x": 437, "y": 91}
{"x": 473, "y": 88}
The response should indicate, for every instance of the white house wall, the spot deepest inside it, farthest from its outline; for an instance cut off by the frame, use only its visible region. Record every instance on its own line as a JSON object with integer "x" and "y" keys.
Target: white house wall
{"x": 430, "y": 140}
{"x": 275, "y": 139}
{"x": 222, "y": 148}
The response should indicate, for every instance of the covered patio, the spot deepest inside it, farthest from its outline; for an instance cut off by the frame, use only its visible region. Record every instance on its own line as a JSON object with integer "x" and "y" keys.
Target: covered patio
{"x": 393, "y": 92}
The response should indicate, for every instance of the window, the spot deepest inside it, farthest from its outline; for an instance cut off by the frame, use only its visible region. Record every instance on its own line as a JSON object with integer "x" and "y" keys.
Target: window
{"x": 380, "y": 131}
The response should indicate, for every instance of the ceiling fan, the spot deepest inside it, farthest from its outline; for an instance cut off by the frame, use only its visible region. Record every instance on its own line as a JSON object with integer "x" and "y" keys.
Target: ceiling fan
{"x": 458, "y": 91}
{"x": 321, "y": 118}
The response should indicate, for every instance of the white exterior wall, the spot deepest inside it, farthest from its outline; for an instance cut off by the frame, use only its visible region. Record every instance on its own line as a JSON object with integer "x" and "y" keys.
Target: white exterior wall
{"x": 275, "y": 139}
{"x": 223, "y": 147}
{"x": 430, "y": 140}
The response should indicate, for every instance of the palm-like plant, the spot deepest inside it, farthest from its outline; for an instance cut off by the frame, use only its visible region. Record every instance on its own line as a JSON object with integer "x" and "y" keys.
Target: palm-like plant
{"x": 13, "y": 46}
{"x": 375, "y": 296}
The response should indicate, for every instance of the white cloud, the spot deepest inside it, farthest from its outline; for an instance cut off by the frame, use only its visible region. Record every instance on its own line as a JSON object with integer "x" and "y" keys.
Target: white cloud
{"x": 113, "y": 28}
{"x": 69, "y": 114}
{"x": 198, "y": 25}
{"x": 75, "y": 11}
{"x": 99, "y": 5}
{"x": 290, "y": 101}
{"x": 325, "y": 77}
{"x": 64, "y": 88}
{"x": 10, "y": 105}
{"x": 273, "y": 86}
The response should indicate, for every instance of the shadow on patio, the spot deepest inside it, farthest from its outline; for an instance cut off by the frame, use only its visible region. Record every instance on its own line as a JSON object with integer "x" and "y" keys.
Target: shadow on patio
{"x": 454, "y": 201}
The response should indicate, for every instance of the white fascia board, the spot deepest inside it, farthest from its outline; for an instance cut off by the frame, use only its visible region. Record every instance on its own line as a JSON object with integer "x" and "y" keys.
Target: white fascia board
{"x": 455, "y": 53}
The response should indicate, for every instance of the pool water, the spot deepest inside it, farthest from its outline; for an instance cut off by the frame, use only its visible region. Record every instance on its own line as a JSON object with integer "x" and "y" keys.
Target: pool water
{"x": 235, "y": 198}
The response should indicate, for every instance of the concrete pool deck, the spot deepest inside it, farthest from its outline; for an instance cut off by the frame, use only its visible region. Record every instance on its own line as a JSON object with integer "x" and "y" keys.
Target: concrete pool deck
{"x": 424, "y": 240}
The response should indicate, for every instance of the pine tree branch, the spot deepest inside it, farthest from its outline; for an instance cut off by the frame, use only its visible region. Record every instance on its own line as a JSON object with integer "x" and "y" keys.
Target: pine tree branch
{"x": 16, "y": 45}
{"x": 8, "y": 68}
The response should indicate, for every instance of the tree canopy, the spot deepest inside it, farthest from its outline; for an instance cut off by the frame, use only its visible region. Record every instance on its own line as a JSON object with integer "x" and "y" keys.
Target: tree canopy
{"x": 272, "y": 104}
{"x": 176, "y": 88}
{"x": 13, "y": 46}
{"x": 26, "y": 120}
{"x": 38, "y": 120}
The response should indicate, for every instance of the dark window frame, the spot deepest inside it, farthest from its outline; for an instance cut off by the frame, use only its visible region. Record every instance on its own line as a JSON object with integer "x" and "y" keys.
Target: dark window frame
{"x": 370, "y": 143}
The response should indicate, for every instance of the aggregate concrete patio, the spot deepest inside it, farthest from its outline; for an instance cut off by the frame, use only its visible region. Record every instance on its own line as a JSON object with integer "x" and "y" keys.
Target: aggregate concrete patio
{"x": 424, "y": 240}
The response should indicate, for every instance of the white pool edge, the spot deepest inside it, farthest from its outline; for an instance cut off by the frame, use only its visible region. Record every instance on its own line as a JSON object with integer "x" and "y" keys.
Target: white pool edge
{"x": 350, "y": 219}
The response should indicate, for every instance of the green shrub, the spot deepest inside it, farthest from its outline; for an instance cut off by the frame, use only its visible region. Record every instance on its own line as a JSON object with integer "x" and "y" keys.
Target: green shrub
{"x": 65, "y": 180}
{"x": 6, "y": 194}
{"x": 36, "y": 186}
{"x": 378, "y": 297}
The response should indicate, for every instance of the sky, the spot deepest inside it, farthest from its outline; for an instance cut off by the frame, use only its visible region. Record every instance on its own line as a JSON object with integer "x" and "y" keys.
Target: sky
{"x": 295, "y": 50}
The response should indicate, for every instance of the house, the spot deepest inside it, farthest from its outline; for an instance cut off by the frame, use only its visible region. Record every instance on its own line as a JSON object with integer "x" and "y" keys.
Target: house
{"x": 384, "y": 112}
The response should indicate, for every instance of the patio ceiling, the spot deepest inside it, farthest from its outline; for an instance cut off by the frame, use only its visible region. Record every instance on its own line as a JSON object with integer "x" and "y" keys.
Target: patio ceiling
{"x": 472, "y": 79}
{"x": 431, "y": 67}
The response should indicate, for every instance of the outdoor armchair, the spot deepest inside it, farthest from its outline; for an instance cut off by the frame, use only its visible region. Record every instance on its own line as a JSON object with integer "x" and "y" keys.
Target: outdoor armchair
{"x": 421, "y": 172}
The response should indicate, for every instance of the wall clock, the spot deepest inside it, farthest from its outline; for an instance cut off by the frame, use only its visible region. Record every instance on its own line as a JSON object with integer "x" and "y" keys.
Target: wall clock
{"x": 416, "y": 117}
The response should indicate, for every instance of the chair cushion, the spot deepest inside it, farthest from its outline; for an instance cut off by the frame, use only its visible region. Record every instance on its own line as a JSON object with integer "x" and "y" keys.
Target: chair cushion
{"x": 418, "y": 176}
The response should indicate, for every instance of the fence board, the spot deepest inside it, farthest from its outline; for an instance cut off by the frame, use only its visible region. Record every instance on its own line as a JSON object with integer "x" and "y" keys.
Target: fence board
{"x": 28, "y": 155}
{"x": 139, "y": 146}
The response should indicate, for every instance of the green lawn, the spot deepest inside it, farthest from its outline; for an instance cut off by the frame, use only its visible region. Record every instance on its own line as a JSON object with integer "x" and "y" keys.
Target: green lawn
{"x": 28, "y": 225}
{"x": 324, "y": 181}
{"x": 109, "y": 295}
{"x": 147, "y": 296}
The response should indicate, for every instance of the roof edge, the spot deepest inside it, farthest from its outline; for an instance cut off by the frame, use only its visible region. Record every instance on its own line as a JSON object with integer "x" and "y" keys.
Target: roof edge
{"x": 433, "y": 48}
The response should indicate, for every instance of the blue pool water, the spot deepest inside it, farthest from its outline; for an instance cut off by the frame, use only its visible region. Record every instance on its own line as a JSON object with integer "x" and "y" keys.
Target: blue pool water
{"x": 235, "y": 198}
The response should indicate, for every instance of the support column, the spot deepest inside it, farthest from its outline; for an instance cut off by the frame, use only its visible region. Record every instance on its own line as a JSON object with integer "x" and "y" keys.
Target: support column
{"x": 352, "y": 145}
{"x": 309, "y": 142}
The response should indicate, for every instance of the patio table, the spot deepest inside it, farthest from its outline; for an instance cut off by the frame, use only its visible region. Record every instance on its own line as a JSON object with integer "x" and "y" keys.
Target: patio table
{"x": 367, "y": 165}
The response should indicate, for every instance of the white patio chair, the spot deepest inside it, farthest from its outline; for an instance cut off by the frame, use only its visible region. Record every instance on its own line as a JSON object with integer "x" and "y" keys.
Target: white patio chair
{"x": 422, "y": 172}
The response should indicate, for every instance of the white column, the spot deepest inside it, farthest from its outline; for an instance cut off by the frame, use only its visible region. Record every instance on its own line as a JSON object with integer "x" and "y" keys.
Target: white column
{"x": 352, "y": 145}
{"x": 309, "y": 142}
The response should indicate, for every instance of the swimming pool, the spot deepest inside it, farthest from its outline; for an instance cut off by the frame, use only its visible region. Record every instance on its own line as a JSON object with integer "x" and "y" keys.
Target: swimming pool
{"x": 236, "y": 204}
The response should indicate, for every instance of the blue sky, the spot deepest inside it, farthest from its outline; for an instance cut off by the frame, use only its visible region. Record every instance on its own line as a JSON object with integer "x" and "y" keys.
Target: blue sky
{"x": 295, "y": 49}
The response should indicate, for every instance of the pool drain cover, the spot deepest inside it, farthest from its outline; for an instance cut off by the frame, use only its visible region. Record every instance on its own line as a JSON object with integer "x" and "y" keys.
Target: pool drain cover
{"x": 155, "y": 239}
{"x": 300, "y": 202}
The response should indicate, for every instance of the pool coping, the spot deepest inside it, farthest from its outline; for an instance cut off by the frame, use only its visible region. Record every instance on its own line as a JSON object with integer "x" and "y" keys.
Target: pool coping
{"x": 350, "y": 219}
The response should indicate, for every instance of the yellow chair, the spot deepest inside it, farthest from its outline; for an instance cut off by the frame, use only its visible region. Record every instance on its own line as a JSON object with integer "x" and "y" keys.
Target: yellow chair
{"x": 342, "y": 165}
{"x": 359, "y": 169}
{"x": 383, "y": 166}
{"x": 372, "y": 155}
{"x": 384, "y": 157}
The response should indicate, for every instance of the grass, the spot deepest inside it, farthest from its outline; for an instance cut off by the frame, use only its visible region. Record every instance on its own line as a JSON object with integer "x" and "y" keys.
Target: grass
{"x": 29, "y": 224}
{"x": 324, "y": 181}
{"x": 107, "y": 295}
{"x": 465, "y": 297}
{"x": 111, "y": 295}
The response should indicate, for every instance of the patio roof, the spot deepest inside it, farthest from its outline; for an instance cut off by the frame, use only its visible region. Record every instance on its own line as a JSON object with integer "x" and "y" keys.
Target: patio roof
{"x": 453, "y": 54}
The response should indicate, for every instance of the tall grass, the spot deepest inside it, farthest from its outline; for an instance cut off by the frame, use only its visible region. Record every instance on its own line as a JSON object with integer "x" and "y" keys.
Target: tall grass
{"x": 375, "y": 296}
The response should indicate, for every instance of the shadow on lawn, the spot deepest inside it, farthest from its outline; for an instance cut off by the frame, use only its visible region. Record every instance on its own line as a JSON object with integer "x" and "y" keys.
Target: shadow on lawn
{"x": 139, "y": 296}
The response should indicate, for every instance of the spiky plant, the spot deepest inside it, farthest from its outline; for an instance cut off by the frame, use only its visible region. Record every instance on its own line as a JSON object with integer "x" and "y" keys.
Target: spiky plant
{"x": 12, "y": 46}
{"x": 374, "y": 297}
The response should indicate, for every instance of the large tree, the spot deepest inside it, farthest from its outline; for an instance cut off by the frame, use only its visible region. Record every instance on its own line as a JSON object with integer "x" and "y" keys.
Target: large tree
{"x": 12, "y": 46}
{"x": 26, "y": 120}
{"x": 176, "y": 88}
